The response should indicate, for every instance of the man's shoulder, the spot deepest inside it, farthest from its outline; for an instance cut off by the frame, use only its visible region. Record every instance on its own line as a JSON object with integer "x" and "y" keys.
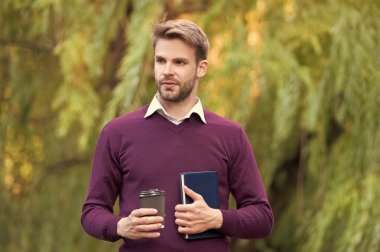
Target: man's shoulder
{"x": 128, "y": 119}
{"x": 216, "y": 120}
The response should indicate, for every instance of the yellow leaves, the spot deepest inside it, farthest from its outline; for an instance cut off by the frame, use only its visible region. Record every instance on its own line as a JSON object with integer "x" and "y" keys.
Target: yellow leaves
{"x": 255, "y": 88}
{"x": 16, "y": 173}
{"x": 254, "y": 29}
{"x": 254, "y": 38}
{"x": 186, "y": 15}
{"x": 26, "y": 169}
{"x": 71, "y": 58}
{"x": 38, "y": 148}
{"x": 8, "y": 163}
{"x": 289, "y": 10}
{"x": 9, "y": 180}
{"x": 222, "y": 110}
{"x": 219, "y": 41}
{"x": 20, "y": 157}
{"x": 261, "y": 7}
{"x": 7, "y": 92}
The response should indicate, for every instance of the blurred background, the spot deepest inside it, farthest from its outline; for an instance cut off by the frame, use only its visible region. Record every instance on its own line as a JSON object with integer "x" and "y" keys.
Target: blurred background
{"x": 301, "y": 76}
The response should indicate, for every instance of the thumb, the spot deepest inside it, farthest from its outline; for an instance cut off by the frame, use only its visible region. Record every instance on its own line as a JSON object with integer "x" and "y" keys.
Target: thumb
{"x": 195, "y": 196}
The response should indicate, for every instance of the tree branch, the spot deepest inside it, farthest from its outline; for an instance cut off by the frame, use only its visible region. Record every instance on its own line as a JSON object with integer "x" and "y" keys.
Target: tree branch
{"x": 27, "y": 44}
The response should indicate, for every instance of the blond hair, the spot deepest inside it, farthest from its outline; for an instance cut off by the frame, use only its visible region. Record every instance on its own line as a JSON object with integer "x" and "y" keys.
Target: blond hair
{"x": 185, "y": 30}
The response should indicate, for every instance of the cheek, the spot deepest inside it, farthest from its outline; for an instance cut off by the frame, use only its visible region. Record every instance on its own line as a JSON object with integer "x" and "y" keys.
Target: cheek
{"x": 188, "y": 75}
{"x": 158, "y": 67}
{"x": 157, "y": 71}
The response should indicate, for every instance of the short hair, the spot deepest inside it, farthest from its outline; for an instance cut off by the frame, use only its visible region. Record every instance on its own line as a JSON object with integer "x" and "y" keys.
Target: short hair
{"x": 185, "y": 30}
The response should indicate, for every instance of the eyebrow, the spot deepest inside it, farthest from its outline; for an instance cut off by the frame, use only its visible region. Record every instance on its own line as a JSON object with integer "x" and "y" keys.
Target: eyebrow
{"x": 161, "y": 57}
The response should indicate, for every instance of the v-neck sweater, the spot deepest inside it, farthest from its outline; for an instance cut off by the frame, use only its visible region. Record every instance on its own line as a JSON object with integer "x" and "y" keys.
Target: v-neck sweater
{"x": 135, "y": 154}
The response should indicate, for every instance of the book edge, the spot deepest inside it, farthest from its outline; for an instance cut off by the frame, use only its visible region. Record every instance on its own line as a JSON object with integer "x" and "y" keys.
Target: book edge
{"x": 183, "y": 195}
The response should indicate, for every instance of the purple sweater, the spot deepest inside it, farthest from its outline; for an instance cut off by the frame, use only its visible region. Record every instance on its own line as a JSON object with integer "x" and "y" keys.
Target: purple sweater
{"x": 135, "y": 154}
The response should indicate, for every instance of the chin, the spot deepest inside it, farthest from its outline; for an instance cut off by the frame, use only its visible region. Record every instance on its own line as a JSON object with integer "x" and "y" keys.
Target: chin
{"x": 170, "y": 99}
{"x": 168, "y": 95}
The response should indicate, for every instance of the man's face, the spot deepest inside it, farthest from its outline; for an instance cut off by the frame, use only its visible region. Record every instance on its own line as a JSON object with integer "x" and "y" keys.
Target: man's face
{"x": 176, "y": 70}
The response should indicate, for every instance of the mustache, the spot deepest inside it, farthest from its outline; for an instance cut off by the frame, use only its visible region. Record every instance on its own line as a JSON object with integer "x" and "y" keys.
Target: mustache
{"x": 168, "y": 80}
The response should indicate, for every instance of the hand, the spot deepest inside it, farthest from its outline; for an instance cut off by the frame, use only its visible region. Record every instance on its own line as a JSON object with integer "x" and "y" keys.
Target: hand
{"x": 140, "y": 224}
{"x": 196, "y": 217}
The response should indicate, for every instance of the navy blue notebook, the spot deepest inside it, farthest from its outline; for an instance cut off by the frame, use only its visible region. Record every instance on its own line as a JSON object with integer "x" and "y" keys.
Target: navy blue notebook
{"x": 206, "y": 184}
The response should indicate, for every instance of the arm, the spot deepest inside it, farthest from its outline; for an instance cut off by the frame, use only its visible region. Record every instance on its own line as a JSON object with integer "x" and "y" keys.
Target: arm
{"x": 253, "y": 217}
{"x": 97, "y": 215}
{"x": 98, "y": 219}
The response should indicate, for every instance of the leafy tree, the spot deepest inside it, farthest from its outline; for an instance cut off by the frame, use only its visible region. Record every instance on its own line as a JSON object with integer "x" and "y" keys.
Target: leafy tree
{"x": 302, "y": 77}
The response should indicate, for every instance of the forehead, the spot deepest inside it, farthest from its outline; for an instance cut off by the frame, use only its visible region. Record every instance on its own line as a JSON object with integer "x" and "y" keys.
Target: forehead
{"x": 174, "y": 48}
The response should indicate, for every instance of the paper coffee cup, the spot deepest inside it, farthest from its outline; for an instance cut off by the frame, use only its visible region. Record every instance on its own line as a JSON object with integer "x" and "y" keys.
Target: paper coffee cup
{"x": 153, "y": 198}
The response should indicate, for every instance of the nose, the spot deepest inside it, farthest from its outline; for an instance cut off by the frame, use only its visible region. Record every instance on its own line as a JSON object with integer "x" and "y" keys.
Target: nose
{"x": 168, "y": 69}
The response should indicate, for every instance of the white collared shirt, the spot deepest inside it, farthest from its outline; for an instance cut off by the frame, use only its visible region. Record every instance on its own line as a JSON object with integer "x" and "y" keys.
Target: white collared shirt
{"x": 155, "y": 105}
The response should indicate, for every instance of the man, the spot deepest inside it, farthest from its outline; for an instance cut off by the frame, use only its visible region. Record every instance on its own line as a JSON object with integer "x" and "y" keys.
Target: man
{"x": 150, "y": 147}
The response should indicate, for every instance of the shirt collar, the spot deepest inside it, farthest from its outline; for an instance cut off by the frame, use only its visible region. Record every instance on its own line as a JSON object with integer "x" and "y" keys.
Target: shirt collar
{"x": 155, "y": 105}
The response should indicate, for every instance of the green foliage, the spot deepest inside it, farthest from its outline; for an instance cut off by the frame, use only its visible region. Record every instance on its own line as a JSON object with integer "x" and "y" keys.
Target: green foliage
{"x": 85, "y": 40}
{"x": 333, "y": 101}
{"x": 302, "y": 77}
{"x": 131, "y": 69}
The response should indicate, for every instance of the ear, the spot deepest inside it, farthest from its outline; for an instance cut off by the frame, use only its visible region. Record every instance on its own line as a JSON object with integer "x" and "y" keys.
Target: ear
{"x": 202, "y": 68}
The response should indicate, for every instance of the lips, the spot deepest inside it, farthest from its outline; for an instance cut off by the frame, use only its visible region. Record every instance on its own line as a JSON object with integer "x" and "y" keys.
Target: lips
{"x": 168, "y": 83}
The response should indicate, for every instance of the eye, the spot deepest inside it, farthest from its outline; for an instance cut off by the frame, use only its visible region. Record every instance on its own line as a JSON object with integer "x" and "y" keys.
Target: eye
{"x": 160, "y": 60}
{"x": 180, "y": 62}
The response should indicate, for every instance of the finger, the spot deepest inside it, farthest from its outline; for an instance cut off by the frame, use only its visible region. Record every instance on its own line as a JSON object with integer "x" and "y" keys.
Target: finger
{"x": 143, "y": 212}
{"x": 182, "y": 223}
{"x": 147, "y": 220}
{"x": 148, "y": 228}
{"x": 139, "y": 235}
{"x": 185, "y": 230}
{"x": 183, "y": 215}
{"x": 183, "y": 207}
{"x": 195, "y": 196}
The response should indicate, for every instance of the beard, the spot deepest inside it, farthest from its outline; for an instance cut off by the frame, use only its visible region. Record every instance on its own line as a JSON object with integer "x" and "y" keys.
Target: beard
{"x": 178, "y": 92}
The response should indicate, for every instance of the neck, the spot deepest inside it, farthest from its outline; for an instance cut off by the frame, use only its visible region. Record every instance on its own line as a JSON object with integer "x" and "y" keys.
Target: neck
{"x": 178, "y": 109}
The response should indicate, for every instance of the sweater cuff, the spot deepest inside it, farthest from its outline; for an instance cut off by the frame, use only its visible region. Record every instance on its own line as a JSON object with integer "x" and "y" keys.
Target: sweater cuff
{"x": 228, "y": 221}
{"x": 111, "y": 230}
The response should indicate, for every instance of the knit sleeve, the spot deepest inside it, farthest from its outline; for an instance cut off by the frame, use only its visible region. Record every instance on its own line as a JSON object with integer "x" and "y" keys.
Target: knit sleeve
{"x": 253, "y": 217}
{"x": 98, "y": 218}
